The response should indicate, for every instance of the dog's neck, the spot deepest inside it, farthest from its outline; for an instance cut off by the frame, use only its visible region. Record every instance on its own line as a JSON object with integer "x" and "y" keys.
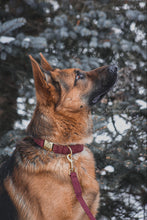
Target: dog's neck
{"x": 74, "y": 128}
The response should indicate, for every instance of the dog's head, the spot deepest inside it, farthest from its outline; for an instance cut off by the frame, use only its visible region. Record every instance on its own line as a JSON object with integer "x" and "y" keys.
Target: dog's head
{"x": 68, "y": 94}
{"x": 71, "y": 89}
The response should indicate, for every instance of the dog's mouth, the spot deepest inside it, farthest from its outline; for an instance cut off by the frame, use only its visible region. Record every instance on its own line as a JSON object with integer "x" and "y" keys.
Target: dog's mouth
{"x": 97, "y": 98}
{"x": 103, "y": 87}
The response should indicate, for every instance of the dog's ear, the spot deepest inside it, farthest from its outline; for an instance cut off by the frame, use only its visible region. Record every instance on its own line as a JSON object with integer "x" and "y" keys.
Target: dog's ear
{"x": 44, "y": 64}
{"x": 45, "y": 92}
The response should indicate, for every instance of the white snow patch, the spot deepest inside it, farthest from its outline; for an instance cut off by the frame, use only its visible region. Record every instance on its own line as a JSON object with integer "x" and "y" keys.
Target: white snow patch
{"x": 9, "y": 150}
{"x": 109, "y": 169}
{"x": 131, "y": 201}
{"x": 140, "y": 35}
{"x": 31, "y": 101}
{"x": 121, "y": 124}
{"x": 141, "y": 158}
{"x": 47, "y": 10}
{"x": 142, "y": 4}
{"x": 27, "y": 39}
{"x": 141, "y": 103}
{"x": 133, "y": 26}
{"x": 142, "y": 64}
{"x": 103, "y": 138}
{"x": 20, "y": 111}
{"x": 46, "y": 50}
{"x": 141, "y": 90}
{"x": 21, "y": 124}
{"x": 134, "y": 146}
{"x": 54, "y": 4}
{"x": 103, "y": 172}
{"x": 118, "y": 138}
{"x": 126, "y": 6}
{"x": 138, "y": 78}
{"x": 21, "y": 99}
{"x": 132, "y": 65}
{"x": 6, "y": 40}
{"x": 117, "y": 30}
{"x": 117, "y": 8}
{"x": 21, "y": 105}
{"x": 110, "y": 103}
{"x": 32, "y": 81}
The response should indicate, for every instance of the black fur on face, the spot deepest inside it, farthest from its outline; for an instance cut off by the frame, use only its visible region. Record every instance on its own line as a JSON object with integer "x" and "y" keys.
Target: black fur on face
{"x": 103, "y": 80}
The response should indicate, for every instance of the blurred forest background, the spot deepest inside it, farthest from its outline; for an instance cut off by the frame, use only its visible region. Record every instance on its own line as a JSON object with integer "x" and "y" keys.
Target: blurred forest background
{"x": 85, "y": 34}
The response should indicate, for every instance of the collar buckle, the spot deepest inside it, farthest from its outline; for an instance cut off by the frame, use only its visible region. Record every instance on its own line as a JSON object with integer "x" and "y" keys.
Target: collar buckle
{"x": 48, "y": 145}
{"x": 70, "y": 159}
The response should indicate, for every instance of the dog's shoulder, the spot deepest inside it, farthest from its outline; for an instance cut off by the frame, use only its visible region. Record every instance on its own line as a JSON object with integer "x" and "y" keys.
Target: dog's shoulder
{"x": 10, "y": 163}
{"x": 30, "y": 157}
{"x": 27, "y": 156}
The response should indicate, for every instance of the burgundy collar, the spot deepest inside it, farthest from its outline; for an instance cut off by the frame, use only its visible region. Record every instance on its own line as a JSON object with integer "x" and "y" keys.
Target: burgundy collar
{"x": 59, "y": 149}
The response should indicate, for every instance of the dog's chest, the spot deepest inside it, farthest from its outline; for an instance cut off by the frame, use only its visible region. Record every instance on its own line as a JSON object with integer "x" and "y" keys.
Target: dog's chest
{"x": 47, "y": 188}
{"x": 56, "y": 193}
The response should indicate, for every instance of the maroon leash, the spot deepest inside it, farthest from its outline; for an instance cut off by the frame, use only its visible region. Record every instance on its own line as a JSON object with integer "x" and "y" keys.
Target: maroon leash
{"x": 78, "y": 192}
{"x": 69, "y": 151}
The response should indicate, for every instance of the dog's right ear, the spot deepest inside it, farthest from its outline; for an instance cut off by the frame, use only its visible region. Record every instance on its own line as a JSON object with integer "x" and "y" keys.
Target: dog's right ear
{"x": 44, "y": 64}
{"x": 45, "y": 92}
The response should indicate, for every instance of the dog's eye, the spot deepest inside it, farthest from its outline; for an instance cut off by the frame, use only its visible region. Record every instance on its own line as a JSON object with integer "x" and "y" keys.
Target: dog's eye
{"x": 79, "y": 75}
{"x": 56, "y": 84}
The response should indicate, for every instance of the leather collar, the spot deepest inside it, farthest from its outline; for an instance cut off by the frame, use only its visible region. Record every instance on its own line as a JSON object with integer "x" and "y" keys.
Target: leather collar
{"x": 59, "y": 149}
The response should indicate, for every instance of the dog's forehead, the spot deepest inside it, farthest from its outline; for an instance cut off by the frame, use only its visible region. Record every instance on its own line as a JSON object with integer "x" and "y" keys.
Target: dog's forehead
{"x": 69, "y": 71}
{"x": 65, "y": 72}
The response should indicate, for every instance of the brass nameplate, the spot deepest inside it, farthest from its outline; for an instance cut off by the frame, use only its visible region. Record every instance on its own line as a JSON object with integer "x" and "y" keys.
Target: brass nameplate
{"x": 48, "y": 145}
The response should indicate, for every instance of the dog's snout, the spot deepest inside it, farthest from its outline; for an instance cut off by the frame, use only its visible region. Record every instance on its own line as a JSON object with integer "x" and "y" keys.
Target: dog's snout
{"x": 113, "y": 69}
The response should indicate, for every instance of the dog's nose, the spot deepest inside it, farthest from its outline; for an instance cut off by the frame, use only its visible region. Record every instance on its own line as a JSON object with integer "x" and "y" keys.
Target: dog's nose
{"x": 113, "y": 69}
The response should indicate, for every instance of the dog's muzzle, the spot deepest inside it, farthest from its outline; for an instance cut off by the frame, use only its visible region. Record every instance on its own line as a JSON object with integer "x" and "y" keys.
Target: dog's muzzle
{"x": 106, "y": 79}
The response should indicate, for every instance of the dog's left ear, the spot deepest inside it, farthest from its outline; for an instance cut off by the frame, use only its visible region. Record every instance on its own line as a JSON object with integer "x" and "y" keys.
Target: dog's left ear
{"x": 44, "y": 64}
{"x": 45, "y": 92}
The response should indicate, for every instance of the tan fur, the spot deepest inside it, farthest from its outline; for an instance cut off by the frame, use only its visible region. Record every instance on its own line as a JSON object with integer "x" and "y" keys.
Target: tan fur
{"x": 39, "y": 184}
{"x": 38, "y": 192}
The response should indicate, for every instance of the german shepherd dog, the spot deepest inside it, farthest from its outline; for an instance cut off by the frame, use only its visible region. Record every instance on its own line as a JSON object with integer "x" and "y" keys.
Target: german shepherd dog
{"x": 35, "y": 181}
